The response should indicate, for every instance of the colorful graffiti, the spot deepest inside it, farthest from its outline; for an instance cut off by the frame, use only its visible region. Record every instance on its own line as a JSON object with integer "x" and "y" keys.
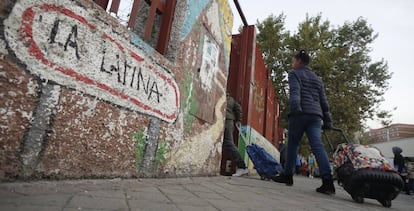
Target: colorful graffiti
{"x": 209, "y": 64}
{"x": 190, "y": 105}
{"x": 65, "y": 47}
{"x": 197, "y": 155}
{"x": 129, "y": 110}
{"x": 139, "y": 140}
{"x": 226, "y": 25}
{"x": 161, "y": 155}
{"x": 194, "y": 10}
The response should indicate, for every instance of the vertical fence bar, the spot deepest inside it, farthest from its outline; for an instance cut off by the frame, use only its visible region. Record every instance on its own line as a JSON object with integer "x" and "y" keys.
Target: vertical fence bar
{"x": 115, "y": 6}
{"x": 134, "y": 13}
{"x": 166, "y": 24}
{"x": 102, "y": 3}
{"x": 150, "y": 20}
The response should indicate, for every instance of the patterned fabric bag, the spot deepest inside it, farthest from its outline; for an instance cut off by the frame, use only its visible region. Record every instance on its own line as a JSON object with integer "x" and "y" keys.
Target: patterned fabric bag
{"x": 361, "y": 157}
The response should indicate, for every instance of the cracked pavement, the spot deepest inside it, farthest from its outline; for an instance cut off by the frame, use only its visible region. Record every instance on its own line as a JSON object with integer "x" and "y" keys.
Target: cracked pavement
{"x": 196, "y": 193}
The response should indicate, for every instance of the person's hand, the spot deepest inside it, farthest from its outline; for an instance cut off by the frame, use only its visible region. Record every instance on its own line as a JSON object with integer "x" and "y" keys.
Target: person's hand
{"x": 238, "y": 124}
{"x": 327, "y": 126}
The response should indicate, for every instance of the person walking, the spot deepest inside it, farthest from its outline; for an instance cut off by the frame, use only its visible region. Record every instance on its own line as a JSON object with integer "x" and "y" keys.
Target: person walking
{"x": 298, "y": 164}
{"x": 399, "y": 163}
{"x": 233, "y": 117}
{"x": 410, "y": 170}
{"x": 304, "y": 168}
{"x": 311, "y": 163}
{"x": 309, "y": 113}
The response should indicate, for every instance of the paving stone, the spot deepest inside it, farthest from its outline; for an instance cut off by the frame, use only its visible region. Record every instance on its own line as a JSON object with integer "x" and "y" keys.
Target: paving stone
{"x": 31, "y": 188}
{"x": 151, "y": 206}
{"x": 182, "y": 200}
{"x": 211, "y": 193}
{"x": 197, "y": 208}
{"x": 88, "y": 202}
{"x": 28, "y": 207}
{"x": 180, "y": 192}
{"x": 86, "y": 209}
{"x": 4, "y": 192}
{"x": 207, "y": 195}
{"x": 148, "y": 196}
{"x": 42, "y": 200}
{"x": 196, "y": 188}
{"x": 114, "y": 194}
{"x": 223, "y": 204}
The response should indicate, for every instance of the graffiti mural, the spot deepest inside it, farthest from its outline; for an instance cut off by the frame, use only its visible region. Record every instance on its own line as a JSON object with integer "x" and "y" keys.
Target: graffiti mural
{"x": 194, "y": 10}
{"x": 114, "y": 106}
{"x": 63, "y": 46}
{"x": 209, "y": 64}
{"x": 226, "y": 25}
{"x": 190, "y": 105}
{"x": 139, "y": 139}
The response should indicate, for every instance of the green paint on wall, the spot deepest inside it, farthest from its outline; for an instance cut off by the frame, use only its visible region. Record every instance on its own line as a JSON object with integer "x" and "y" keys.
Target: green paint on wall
{"x": 139, "y": 140}
{"x": 163, "y": 148}
{"x": 197, "y": 26}
{"x": 190, "y": 105}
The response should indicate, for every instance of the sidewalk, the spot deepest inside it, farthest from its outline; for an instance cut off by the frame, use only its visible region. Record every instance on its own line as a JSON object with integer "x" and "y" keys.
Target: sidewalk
{"x": 204, "y": 193}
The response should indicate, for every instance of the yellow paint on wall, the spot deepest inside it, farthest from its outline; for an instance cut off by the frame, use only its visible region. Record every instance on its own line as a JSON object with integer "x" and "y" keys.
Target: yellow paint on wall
{"x": 227, "y": 24}
{"x": 192, "y": 156}
{"x": 193, "y": 153}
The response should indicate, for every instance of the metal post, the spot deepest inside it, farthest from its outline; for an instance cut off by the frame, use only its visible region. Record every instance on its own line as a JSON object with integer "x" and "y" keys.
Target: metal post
{"x": 239, "y": 9}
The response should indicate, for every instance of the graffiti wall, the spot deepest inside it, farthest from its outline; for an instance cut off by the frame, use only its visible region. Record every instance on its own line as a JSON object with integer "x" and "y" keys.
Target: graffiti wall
{"x": 82, "y": 96}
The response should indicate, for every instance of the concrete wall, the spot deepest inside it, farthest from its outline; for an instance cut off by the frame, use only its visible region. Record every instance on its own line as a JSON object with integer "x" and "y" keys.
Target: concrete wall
{"x": 407, "y": 144}
{"x": 81, "y": 96}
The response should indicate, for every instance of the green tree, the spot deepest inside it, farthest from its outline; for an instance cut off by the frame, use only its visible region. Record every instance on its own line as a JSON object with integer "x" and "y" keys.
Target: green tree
{"x": 354, "y": 83}
{"x": 272, "y": 41}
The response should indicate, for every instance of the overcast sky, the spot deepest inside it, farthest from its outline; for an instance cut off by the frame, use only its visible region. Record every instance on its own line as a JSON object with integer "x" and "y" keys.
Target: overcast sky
{"x": 393, "y": 20}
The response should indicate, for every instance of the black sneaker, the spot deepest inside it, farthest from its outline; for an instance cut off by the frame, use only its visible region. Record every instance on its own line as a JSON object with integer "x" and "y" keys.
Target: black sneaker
{"x": 327, "y": 187}
{"x": 282, "y": 178}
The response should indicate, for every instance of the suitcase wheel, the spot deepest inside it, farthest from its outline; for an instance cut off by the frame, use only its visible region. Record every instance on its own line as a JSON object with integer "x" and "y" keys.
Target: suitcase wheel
{"x": 385, "y": 203}
{"x": 358, "y": 199}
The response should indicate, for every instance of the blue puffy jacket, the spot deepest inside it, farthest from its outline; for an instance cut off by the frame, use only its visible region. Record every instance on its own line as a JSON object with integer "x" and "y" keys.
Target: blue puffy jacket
{"x": 307, "y": 94}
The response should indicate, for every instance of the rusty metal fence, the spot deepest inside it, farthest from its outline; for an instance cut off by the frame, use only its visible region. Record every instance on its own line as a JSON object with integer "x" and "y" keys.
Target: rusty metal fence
{"x": 130, "y": 12}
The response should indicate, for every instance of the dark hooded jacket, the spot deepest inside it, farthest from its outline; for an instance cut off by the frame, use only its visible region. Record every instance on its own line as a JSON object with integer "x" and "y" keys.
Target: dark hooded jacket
{"x": 307, "y": 94}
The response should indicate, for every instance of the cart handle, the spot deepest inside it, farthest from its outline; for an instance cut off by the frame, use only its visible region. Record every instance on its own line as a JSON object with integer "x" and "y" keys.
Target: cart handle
{"x": 329, "y": 140}
{"x": 343, "y": 134}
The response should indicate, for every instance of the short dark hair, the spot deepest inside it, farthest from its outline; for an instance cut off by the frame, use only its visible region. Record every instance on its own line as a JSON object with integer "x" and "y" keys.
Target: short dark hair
{"x": 303, "y": 56}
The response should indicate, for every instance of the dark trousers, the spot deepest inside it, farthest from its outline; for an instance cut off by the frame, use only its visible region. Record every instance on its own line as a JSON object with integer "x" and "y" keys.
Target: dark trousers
{"x": 312, "y": 126}
{"x": 228, "y": 144}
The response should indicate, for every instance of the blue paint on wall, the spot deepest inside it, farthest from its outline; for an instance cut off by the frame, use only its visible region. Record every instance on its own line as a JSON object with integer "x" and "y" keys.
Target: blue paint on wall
{"x": 227, "y": 58}
{"x": 195, "y": 8}
{"x": 140, "y": 43}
